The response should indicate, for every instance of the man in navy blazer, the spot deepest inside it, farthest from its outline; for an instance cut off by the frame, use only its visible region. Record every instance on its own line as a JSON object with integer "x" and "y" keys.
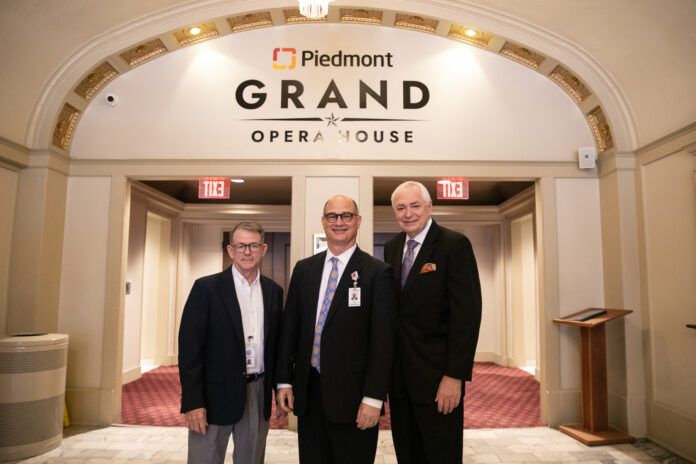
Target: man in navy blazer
{"x": 336, "y": 344}
{"x": 439, "y": 315}
{"x": 227, "y": 354}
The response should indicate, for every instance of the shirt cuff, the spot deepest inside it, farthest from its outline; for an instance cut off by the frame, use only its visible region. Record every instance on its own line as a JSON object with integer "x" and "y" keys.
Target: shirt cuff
{"x": 283, "y": 385}
{"x": 372, "y": 402}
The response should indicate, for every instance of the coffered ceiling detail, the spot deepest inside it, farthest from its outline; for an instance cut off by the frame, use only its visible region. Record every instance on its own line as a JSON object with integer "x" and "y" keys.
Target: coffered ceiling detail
{"x": 250, "y": 21}
{"x": 143, "y": 53}
{"x": 417, "y": 23}
{"x": 95, "y": 80}
{"x": 65, "y": 127}
{"x": 361, "y": 16}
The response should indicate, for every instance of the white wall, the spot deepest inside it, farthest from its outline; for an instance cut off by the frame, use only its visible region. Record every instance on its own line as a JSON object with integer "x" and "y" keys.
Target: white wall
{"x": 8, "y": 199}
{"x": 482, "y": 106}
{"x": 133, "y": 309}
{"x": 485, "y": 241}
{"x": 83, "y": 284}
{"x": 524, "y": 317}
{"x": 156, "y": 290}
{"x": 580, "y": 274}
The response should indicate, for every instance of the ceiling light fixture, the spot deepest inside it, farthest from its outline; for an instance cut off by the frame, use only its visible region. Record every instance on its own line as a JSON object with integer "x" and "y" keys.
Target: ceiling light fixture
{"x": 237, "y": 181}
{"x": 314, "y": 9}
{"x": 195, "y": 30}
{"x": 470, "y": 33}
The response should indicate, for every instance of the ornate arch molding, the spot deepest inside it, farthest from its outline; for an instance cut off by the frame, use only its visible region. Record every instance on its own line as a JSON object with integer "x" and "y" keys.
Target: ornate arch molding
{"x": 82, "y": 74}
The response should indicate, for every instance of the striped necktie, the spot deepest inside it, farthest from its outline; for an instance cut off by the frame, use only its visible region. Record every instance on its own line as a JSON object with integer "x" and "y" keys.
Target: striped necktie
{"x": 328, "y": 296}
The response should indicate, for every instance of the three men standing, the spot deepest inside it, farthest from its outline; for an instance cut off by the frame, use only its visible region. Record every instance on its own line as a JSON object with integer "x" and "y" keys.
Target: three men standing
{"x": 340, "y": 348}
{"x": 226, "y": 354}
{"x": 337, "y": 343}
{"x": 439, "y": 316}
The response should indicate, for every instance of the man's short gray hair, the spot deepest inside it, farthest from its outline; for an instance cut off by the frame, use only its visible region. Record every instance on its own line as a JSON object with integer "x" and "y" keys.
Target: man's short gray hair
{"x": 249, "y": 226}
{"x": 411, "y": 183}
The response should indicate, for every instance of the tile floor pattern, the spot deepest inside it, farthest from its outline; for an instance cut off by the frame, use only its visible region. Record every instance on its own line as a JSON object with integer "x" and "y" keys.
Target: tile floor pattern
{"x": 121, "y": 444}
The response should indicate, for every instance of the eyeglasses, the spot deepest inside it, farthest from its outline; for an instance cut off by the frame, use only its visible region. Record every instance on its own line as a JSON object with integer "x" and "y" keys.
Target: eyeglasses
{"x": 332, "y": 217}
{"x": 241, "y": 247}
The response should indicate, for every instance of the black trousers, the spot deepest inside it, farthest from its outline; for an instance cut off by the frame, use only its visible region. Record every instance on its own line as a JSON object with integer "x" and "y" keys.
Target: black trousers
{"x": 424, "y": 436}
{"x": 324, "y": 442}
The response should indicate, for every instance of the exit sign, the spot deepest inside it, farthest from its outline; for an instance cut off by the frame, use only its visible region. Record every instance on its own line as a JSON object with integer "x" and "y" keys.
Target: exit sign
{"x": 452, "y": 188}
{"x": 214, "y": 188}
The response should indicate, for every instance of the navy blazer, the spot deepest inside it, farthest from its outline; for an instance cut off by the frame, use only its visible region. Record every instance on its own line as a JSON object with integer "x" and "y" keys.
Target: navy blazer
{"x": 439, "y": 312}
{"x": 212, "y": 360}
{"x": 357, "y": 343}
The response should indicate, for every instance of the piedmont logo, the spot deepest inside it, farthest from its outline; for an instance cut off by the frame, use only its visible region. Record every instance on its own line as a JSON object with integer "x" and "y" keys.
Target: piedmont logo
{"x": 336, "y": 60}
{"x": 292, "y": 57}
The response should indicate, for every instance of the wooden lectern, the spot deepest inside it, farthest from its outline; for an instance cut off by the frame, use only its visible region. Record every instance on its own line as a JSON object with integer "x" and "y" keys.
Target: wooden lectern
{"x": 594, "y": 429}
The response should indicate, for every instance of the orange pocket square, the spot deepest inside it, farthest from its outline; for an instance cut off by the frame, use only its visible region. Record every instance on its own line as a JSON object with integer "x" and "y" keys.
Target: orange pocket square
{"x": 428, "y": 267}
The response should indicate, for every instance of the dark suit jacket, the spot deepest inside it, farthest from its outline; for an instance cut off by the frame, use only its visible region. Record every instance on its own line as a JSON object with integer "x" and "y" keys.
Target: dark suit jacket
{"x": 439, "y": 313}
{"x": 357, "y": 343}
{"x": 212, "y": 360}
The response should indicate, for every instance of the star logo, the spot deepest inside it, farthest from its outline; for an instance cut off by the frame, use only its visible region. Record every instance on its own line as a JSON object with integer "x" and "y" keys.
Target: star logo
{"x": 332, "y": 120}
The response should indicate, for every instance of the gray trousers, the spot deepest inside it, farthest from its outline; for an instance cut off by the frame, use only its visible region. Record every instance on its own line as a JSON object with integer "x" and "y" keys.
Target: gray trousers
{"x": 248, "y": 435}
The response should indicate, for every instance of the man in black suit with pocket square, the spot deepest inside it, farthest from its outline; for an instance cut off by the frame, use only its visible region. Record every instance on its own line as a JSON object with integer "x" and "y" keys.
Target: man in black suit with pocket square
{"x": 439, "y": 315}
{"x": 336, "y": 344}
{"x": 227, "y": 355}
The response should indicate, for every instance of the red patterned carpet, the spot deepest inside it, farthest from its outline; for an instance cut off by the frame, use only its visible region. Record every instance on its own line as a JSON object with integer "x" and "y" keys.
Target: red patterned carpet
{"x": 497, "y": 397}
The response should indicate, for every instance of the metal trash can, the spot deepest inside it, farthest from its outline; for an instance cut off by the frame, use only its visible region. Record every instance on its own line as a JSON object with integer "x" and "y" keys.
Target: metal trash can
{"x": 32, "y": 394}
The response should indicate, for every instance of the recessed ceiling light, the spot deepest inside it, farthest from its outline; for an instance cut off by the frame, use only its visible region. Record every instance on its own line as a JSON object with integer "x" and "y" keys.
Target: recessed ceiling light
{"x": 237, "y": 181}
{"x": 470, "y": 33}
{"x": 195, "y": 30}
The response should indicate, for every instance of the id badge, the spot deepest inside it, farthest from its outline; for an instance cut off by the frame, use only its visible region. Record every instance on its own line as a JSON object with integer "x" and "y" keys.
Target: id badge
{"x": 250, "y": 357}
{"x": 354, "y": 297}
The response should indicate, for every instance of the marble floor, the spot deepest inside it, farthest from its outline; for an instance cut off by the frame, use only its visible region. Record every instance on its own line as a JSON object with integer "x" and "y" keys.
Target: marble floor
{"x": 120, "y": 444}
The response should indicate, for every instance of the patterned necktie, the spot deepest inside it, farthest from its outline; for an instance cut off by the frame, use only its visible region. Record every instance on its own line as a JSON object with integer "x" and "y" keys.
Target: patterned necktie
{"x": 408, "y": 261}
{"x": 328, "y": 296}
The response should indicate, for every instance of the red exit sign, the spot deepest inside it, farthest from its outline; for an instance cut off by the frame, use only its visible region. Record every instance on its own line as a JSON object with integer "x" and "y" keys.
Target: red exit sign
{"x": 452, "y": 188}
{"x": 214, "y": 187}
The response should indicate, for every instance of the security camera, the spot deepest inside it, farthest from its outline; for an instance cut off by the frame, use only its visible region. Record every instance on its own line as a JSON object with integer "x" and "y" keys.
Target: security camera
{"x": 111, "y": 99}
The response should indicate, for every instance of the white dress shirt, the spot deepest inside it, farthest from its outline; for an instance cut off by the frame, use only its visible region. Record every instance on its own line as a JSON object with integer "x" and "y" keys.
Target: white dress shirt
{"x": 250, "y": 300}
{"x": 418, "y": 238}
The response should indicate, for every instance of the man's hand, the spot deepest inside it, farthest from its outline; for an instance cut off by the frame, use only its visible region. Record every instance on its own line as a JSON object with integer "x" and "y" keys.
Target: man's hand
{"x": 285, "y": 399}
{"x": 195, "y": 420}
{"x": 368, "y": 416}
{"x": 449, "y": 394}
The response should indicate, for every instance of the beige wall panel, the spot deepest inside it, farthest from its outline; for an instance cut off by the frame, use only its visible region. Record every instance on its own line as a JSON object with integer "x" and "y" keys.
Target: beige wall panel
{"x": 485, "y": 241}
{"x": 83, "y": 278}
{"x": 156, "y": 291}
{"x": 580, "y": 275}
{"x": 133, "y": 310}
{"x": 8, "y": 198}
{"x": 670, "y": 228}
{"x": 37, "y": 250}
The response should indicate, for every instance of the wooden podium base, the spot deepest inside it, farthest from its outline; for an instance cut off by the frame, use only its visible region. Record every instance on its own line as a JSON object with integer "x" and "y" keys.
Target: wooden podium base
{"x": 607, "y": 437}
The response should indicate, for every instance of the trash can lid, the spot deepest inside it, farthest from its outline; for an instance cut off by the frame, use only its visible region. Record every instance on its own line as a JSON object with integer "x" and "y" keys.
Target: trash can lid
{"x": 33, "y": 340}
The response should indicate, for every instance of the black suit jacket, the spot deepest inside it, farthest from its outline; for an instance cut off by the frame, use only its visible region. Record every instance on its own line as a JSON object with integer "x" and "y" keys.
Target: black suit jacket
{"x": 439, "y": 313}
{"x": 357, "y": 343}
{"x": 212, "y": 360}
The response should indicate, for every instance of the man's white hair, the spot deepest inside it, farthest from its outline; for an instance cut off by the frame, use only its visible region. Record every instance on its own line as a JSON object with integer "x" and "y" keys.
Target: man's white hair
{"x": 411, "y": 183}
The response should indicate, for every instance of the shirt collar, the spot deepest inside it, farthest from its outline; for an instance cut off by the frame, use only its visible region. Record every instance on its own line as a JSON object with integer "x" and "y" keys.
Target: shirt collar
{"x": 421, "y": 235}
{"x": 240, "y": 279}
{"x": 343, "y": 257}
